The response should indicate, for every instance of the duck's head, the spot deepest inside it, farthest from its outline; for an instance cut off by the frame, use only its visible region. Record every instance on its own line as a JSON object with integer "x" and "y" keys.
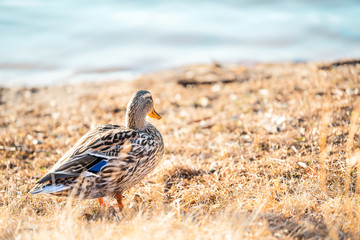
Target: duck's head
{"x": 140, "y": 105}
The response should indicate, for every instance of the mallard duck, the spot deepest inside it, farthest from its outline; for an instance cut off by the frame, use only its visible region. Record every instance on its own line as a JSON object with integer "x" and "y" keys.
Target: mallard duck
{"x": 110, "y": 158}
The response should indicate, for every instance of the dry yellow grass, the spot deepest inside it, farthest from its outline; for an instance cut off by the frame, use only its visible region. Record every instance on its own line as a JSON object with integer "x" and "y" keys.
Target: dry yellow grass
{"x": 268, "y": 151}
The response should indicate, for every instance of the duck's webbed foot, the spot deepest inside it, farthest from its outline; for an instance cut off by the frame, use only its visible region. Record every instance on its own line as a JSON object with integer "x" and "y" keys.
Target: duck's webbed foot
{"x": 101, "y": 202}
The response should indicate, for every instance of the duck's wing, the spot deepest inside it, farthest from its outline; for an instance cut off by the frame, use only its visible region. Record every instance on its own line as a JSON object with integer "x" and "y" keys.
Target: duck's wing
{"x": 91, "y": 153}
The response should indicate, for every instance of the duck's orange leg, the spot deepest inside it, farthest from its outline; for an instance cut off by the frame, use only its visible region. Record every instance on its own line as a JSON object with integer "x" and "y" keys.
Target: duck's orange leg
{"x": 119, "y": 198}
{"x": 101, "y": 201}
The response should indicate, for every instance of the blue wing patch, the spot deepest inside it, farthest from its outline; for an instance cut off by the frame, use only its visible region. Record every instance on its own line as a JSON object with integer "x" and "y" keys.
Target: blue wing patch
{"x": 97, "y": 167}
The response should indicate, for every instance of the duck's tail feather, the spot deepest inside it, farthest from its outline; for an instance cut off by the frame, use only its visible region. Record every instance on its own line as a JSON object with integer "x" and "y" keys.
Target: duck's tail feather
{"x": 48, "y": 189}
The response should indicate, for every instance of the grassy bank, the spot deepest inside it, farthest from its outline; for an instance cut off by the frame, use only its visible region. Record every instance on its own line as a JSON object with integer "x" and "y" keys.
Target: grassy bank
{"x": 263, "y": 151}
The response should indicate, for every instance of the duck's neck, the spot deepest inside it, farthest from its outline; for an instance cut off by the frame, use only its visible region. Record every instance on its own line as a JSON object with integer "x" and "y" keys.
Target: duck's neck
{"x": 135, "y": 120}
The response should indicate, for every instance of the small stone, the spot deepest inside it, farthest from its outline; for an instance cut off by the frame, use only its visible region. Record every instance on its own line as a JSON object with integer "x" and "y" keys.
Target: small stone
{"x": 303, "y": 165}
{"x": 204, "y": 101}
{"x": 216, "y": 88}
{"x": 264, "y": 92}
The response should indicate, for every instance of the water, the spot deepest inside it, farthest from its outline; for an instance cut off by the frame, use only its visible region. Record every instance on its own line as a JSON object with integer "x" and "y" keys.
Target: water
{"x": 62, "y": 41}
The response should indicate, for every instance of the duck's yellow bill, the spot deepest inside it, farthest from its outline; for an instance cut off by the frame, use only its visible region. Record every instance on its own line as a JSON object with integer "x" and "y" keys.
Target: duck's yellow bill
{"x": 154, "y": 114}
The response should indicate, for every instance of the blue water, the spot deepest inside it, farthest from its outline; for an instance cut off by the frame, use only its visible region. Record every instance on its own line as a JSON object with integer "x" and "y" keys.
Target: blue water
{"x": 62, "y": 41}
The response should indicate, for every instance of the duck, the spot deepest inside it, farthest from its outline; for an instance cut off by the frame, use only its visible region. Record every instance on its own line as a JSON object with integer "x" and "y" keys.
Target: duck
{"x": 110, "y": 158}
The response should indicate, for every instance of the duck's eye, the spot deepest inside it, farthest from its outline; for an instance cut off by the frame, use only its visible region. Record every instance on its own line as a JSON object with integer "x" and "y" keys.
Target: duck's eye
{"x": 147, "y": 95}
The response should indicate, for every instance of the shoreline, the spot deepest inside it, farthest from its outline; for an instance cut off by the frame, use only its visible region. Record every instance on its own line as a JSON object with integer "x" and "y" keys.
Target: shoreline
{"x": 120, "y": 73}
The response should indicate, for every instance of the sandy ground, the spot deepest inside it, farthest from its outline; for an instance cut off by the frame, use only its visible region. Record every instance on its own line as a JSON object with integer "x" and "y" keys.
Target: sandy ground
{"x": 259, "y": 151}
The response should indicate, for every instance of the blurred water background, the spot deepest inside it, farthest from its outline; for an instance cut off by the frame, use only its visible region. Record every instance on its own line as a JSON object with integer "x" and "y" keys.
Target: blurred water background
{"x": 62, "y": 41}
